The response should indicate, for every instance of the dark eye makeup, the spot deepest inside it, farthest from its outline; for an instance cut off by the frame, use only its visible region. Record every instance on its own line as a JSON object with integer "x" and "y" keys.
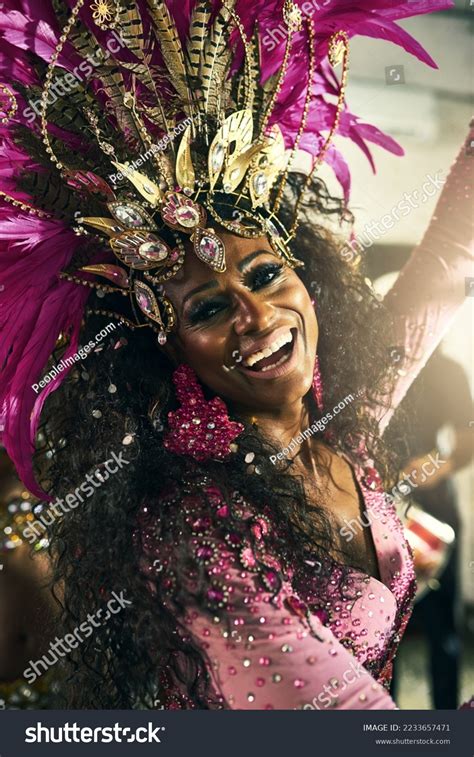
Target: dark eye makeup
{"x": 259, "y": 277}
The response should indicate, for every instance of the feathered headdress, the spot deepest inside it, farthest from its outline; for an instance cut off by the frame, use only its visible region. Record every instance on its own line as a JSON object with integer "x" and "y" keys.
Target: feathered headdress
{"x": 130, "y": 127}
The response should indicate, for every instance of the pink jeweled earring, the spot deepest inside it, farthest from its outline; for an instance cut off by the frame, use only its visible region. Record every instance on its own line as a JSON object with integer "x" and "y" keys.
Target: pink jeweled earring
{"x": 200, "y": 429}
{"x": 318, "y": 385}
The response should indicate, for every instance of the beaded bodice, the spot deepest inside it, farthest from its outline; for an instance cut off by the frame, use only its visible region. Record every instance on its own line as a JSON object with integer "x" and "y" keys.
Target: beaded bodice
{"x": 270, "y": 643}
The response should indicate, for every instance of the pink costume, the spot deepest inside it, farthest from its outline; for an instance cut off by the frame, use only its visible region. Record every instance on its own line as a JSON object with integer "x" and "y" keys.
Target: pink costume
{"x": 290, "y": 647}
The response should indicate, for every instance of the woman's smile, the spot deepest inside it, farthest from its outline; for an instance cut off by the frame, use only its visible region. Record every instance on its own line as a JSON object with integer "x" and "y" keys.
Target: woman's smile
{"x": 275, "y": 356}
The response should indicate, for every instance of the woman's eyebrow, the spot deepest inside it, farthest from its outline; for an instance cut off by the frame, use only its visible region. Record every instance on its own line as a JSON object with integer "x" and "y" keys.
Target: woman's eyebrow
{"x": 201, "y": 288}
{"x": 244, "y": 263}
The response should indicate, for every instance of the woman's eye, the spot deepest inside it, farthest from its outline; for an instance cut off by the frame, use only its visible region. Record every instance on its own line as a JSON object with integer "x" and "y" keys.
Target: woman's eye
{"x": 259, "y": 278}
{"x": 265, "y": 274}
{"x": 205, "y": 310}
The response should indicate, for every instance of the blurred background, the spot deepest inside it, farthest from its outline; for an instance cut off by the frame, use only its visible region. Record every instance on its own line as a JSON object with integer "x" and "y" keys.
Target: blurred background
{"x": 428, "y": 112}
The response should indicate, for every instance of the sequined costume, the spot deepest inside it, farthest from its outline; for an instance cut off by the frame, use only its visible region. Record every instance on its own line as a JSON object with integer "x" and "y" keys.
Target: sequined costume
{"x": 297, "y": 648}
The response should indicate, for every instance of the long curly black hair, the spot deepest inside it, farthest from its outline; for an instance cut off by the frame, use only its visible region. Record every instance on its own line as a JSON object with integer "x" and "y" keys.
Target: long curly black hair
{"x": 118, "y": 400}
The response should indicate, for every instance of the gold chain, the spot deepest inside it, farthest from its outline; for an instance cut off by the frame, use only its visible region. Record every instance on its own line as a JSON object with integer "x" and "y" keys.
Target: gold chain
{"x": 48, "y": 82}
{"x": 304, "y": 117}
{"x": 341, "y": 37}
{"x": 92, "y": 284}
{"x": 291, "y": 28}
{"x": 25, "y": 206}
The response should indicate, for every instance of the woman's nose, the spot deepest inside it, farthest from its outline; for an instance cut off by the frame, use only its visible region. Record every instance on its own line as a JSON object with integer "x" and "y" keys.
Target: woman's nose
{"x": 252, "y": 313}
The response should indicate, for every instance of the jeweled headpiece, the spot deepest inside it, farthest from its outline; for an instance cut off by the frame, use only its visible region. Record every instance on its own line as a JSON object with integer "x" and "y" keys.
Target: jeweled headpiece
{"x": 133, "y": 131}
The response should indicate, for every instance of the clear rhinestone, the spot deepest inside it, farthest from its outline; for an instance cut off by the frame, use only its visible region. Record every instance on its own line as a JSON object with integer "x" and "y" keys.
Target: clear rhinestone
{"x": 272, "y": 228}
{"x": 129, "y": 216}
{"x": 218, "y": 155}
{"x": 153, "y": 251}
{"x": 187, "y": 216}
{"x": 260, "y": 184}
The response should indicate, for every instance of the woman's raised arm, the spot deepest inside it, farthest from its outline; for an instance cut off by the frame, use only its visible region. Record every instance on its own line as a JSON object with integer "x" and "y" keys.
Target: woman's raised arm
{"x": 434, "y": 282}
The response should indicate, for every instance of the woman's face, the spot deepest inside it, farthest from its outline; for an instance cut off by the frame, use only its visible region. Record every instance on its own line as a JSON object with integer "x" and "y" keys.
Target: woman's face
{"x": 250, "y": 333}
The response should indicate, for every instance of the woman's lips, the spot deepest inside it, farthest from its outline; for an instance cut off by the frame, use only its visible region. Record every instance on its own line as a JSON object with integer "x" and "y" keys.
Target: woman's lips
{"x": 283, "y": 367}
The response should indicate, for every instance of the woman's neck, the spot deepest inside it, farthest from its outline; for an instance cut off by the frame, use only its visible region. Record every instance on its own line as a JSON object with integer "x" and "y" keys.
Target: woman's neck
{"x": 282, "y": 424}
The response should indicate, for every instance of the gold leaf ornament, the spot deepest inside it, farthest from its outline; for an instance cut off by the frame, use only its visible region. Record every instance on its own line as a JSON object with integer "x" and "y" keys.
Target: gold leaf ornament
{"x": 293, "y": 16}
{"x": 108, "y": 226}
{"x": 266, "y": 167}
{"x": 185, "y": 174}
{"x": 105, "y": 13}
{"x": 147, "y": 188}
{"x": 141, "y": 250}
{"x": 338, "y": 47}
{"x": 232, "y": 139}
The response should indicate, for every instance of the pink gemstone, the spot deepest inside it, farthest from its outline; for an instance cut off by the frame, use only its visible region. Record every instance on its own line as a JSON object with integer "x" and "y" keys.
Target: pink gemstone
{"x": 322, "y": 615}
{"x": 296, "y": 606}
{"x": 144, "y": 301}
{"x": 209, "y": 247}
{"x": 187, "y": 216}
{"x": 215, "y": 595}
{"x": 204, "y": 552}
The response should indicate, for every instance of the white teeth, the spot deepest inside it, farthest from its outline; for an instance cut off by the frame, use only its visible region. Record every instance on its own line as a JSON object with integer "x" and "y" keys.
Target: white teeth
{"x": 279, "y": 362}
{"x": 273, "y": 347}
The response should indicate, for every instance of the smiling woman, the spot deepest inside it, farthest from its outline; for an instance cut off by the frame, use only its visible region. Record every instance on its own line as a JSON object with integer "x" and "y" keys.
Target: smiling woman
{"x": 208, "y": 528}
